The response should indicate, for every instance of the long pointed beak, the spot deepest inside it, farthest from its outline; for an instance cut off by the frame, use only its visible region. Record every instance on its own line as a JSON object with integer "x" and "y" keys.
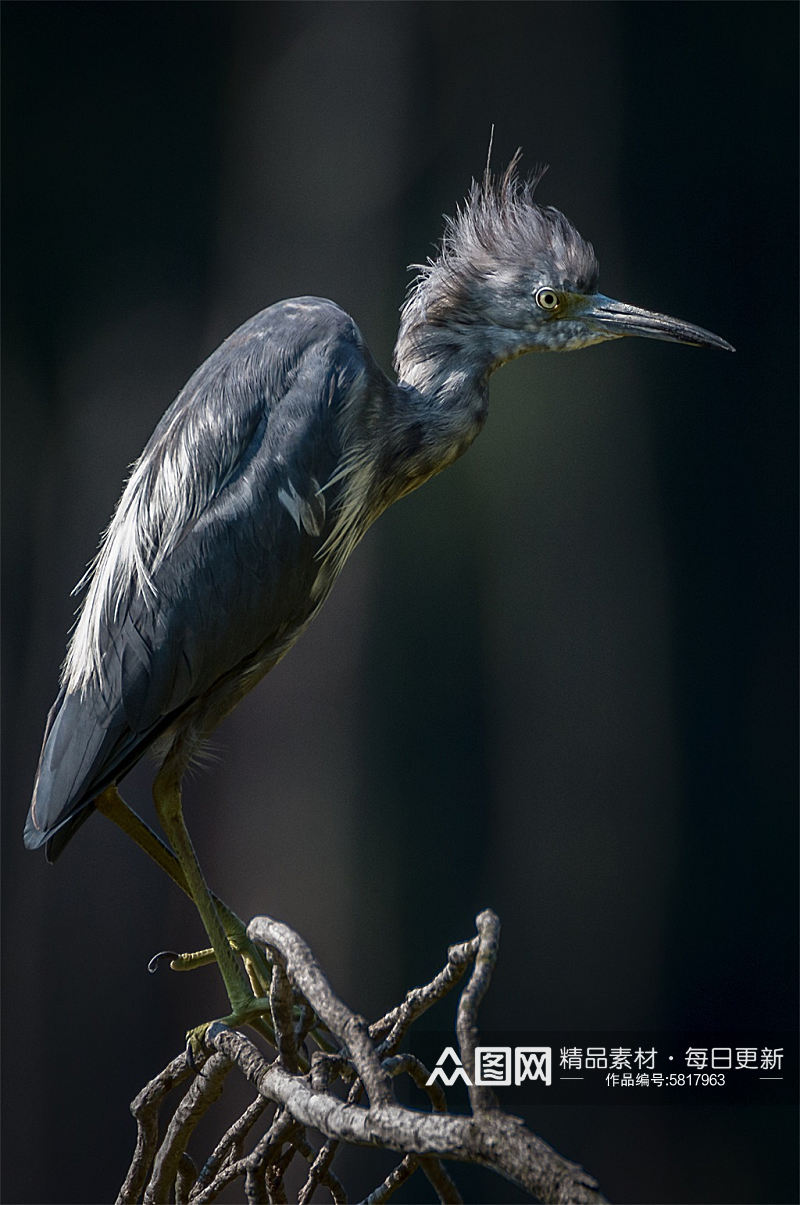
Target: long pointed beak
{"x": 614, "y": 319}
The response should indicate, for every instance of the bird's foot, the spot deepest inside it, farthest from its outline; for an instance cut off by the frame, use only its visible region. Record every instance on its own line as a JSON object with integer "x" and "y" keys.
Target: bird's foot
{"x": 258, "y": 970}
{"x": 247, "y": 1012}
{"x": 181, "y": 962}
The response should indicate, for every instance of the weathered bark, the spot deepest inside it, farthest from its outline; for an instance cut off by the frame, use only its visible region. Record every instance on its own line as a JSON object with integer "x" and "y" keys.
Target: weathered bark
{"x": 361, "y": 1058}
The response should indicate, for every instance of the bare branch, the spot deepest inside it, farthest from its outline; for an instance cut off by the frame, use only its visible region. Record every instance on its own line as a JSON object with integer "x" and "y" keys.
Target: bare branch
{"x": 351, "y": 1055}
{"x": 488, "y": 925}
{"x": 327, "y": 1178}
{"x": 205, "y": 1089}
{"x": 319, "y": 1168}
{"x": 391, "y": 1028}
{"x": 283, "y": 1127}
{"x": 184, "y": 1180}
{"x": 281, "y": 1004}
{"x": 397, "y": 1176}
{"x": 492, "y": 1138}
{"x": 255, "y": 1187}
{"x": 409, "y": 1064}
{"x": 445, "y": 1188}
{"x": 145, "y": 1108}
{"x": 305, "y": 972}
{"x": 231, "y": 1142}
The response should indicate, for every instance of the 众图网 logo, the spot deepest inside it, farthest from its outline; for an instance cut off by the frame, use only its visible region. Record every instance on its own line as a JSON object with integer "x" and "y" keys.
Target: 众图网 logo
{"x": 496, "y": 1066}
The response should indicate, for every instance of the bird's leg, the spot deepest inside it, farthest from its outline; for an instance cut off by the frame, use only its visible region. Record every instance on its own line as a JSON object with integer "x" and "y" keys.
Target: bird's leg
{"x": 256, "y": 1012}
{"x": 111, "y": 804}
{"x": 167, "y": 797}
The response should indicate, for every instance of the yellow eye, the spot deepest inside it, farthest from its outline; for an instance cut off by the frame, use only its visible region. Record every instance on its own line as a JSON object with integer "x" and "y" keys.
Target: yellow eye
{"x": 547, "y": 298}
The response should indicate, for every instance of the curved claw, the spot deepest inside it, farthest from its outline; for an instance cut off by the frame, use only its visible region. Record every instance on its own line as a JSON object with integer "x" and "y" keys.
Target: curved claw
{"x": 162, "y": 956}
{"x": 196, "y": 1052}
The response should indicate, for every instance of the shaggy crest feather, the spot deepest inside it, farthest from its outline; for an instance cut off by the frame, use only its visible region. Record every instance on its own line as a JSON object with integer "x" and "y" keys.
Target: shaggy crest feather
{"x": 498, "y": 226}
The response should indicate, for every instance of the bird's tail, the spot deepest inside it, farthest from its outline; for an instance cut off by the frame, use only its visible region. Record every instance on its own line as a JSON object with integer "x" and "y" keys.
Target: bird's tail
{"x": 78, "y": 760}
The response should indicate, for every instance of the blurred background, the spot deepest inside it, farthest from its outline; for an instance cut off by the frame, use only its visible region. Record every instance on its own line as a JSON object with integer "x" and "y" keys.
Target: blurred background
{"x": 558, "y": 681}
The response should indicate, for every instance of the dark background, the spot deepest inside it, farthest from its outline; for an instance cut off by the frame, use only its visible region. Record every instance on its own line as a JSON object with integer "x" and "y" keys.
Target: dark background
{"x": 560, "y": 680}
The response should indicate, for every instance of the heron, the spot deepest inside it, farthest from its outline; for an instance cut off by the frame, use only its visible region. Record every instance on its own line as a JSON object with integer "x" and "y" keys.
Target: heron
{"x": 260, "y": 479}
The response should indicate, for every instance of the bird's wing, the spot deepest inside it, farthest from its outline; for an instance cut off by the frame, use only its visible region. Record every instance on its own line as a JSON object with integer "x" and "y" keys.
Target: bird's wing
{"x": 208, "y": 570}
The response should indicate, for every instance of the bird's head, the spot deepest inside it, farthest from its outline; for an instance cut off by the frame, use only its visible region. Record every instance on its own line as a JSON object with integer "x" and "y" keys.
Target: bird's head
{"x": 512, "y": 276}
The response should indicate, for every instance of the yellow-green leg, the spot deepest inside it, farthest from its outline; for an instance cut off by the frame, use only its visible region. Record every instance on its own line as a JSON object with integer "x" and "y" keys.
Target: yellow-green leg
{"x": 167, "y": 797}
{"x": 256, "y": 1010}
{"x": 111, "y": 805}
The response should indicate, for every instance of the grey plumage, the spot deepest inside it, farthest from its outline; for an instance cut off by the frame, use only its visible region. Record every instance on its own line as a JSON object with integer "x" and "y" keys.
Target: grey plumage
{"x": 270, "y": 465}
{"x": 201, "y": 535}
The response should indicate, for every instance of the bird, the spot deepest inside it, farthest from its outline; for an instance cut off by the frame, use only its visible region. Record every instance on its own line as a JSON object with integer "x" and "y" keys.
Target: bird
{"x": 262, "y": 476}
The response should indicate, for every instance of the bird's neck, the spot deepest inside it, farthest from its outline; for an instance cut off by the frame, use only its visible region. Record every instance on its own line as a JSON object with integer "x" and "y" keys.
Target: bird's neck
{"x": 441, "y": 362}
{"x": 443, "y": 400}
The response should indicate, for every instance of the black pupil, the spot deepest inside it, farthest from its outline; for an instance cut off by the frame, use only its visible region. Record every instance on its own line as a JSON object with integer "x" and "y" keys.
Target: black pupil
{"x": 548, "y": 299}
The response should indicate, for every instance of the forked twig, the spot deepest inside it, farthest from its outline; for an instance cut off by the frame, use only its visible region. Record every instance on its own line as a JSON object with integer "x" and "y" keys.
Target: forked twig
{"x": 346, "y": 1096}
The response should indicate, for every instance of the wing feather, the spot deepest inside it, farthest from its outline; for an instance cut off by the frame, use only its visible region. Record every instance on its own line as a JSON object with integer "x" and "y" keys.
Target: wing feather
{"x": 206, "y": 571}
